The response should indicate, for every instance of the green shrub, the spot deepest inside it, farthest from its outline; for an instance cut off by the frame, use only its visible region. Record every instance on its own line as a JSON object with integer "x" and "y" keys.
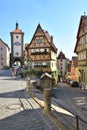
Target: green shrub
{"x": 32, "y": 73}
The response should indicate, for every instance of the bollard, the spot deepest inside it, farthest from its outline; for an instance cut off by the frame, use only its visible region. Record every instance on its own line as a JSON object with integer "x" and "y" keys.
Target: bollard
{"x": 47, "y": 100}
{"x": 28, "y": 82}
{"x": 34, "y": 86}
{"x": 77, "y": 123}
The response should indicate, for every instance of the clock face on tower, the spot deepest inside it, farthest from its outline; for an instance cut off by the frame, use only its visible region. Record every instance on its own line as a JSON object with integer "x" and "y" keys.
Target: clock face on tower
{"x": 17, "y": 43}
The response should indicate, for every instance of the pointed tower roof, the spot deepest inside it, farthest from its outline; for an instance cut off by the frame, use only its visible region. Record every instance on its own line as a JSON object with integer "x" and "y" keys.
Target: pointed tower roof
{"x": 17, "y": 30}
{"x": 61, "y": 55}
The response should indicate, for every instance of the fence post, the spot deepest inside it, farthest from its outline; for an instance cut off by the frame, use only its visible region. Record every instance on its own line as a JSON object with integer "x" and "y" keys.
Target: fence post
{"x": 77, "y": 123}
{"x": 47, "y": 100}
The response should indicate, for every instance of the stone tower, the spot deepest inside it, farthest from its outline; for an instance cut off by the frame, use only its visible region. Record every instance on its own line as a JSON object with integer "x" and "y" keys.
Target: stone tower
{"x": 17, "y": 39}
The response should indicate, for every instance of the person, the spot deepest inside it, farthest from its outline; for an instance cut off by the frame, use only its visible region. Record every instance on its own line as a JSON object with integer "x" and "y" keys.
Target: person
{"x": 80, "y": 85}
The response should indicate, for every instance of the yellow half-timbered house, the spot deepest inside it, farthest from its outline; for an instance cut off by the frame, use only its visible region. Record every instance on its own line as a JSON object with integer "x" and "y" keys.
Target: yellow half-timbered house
{"x": 42, "y": 52}
{"x": 81, "y": 49}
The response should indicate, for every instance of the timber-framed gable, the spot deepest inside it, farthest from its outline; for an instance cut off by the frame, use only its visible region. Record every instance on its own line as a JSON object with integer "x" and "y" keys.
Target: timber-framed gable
{"x": 41, "y": 49}
{"x": 81, "y": 50}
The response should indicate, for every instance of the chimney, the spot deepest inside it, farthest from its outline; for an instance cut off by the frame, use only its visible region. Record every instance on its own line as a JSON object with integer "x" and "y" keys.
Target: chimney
{"x": 51, "y": 39}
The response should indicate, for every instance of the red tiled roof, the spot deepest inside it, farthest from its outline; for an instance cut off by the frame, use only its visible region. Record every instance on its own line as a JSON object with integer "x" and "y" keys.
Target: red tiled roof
{"x": 50, "y": 39}
{"x": 48, "y": 36}
{"x": 17, "y": 30}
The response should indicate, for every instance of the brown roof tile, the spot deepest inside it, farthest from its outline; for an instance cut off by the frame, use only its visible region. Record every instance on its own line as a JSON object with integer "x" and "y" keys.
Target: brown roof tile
{"x": 61, "y": 55}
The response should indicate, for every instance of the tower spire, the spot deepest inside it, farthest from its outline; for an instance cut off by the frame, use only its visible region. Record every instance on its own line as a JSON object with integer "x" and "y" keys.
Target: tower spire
{"x": 84, "y": 13}
{"x": 16, "y": 25}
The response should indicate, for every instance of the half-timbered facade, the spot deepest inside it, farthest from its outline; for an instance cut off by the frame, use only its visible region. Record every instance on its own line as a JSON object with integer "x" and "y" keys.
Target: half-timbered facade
{"x": 41, "y": 51}
{"x": 81, "y": 49}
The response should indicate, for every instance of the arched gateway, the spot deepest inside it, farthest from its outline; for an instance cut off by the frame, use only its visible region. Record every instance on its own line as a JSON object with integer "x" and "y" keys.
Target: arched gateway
{"x": 17, "y": 46}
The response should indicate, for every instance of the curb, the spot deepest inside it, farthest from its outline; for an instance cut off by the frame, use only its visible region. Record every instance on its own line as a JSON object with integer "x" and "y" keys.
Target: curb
{"x": 57, "y": 122}
{"x": 53, "y": 117}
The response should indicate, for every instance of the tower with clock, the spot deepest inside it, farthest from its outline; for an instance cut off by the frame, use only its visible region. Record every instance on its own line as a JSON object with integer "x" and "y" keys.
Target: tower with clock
{"x": 17, "y": 37}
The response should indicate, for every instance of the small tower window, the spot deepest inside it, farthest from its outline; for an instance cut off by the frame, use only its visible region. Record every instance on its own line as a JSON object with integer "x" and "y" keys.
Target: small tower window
{"x": 45, "y": 50}
{"x": 16, "y": 36}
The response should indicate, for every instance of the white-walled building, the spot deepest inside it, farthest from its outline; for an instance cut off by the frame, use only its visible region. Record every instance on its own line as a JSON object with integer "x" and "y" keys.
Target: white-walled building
{"x": 61, "y": 64}
{"x": 4, "y": 54}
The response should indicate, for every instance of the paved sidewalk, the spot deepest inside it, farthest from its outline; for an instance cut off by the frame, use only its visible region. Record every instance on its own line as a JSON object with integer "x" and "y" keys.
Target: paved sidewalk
{"x": 65, "y": 119}
{"x": 18, "y": 110}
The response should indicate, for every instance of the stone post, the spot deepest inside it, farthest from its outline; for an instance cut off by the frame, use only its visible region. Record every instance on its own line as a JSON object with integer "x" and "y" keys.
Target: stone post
{"x": 34, "y": 86}
{"x": 28, "y": 82}
{"x": 47, "y": 100}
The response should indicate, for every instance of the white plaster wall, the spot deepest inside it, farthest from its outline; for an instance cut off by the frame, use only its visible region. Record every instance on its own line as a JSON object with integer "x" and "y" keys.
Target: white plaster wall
{"x": 17, "y": 45}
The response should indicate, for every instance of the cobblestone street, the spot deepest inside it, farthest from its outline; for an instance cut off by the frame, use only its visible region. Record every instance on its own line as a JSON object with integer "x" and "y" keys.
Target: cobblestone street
{"x": 18, "y": 111}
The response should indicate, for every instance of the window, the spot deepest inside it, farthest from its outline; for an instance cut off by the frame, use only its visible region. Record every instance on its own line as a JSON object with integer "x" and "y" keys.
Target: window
{"x": 2, "y": 56}
{"x": 42, "y": 50}
{"x": 37, "y": 50}
{"x": 84, "y": 55}
{"x": 16, "y": 36}
{"x": 1, "y": 48}
{"x": 39, "y": 41}
{"x": 32, "y": 50}
{"x": 1, "y": 63}
{"x": 45, "y": 50}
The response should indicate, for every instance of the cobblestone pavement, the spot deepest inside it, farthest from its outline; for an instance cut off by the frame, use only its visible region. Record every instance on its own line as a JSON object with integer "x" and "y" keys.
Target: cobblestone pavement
{"x": 65, "y": 110}
{"x": 18, "y": 111}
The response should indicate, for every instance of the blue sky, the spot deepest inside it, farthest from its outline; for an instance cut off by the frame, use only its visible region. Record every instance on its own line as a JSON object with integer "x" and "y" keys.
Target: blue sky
{"x": 59, "y": 17}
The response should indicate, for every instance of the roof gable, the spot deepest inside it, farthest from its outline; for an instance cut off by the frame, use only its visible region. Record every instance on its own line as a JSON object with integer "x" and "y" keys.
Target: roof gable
{"x": 61, "y": 55}
{"x": 40, "y": 32}
{"x": 4, "y": 43}
{"x": 82, "y": 29}
{"x": 82, "y": 26}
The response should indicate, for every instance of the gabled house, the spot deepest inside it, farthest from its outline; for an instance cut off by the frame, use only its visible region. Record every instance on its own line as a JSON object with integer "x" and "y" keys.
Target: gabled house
{"x": 41, "y": 51}
{"x": 81, "y": 49}
{"x": 74, "y": 65}
{"x": 4, "y": 54}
